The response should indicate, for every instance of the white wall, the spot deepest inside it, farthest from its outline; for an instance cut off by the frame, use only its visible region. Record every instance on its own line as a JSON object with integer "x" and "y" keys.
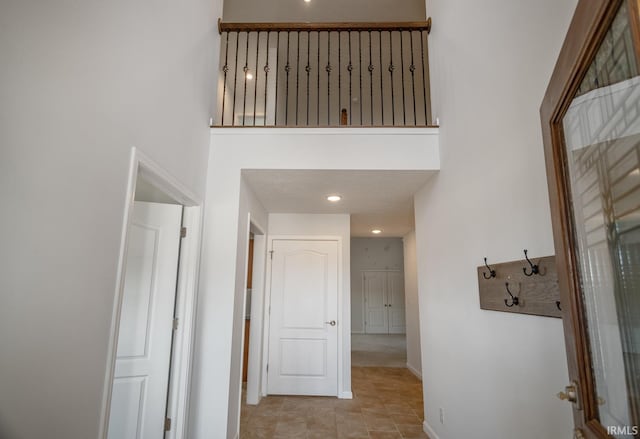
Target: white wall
{"x": 494, "y": 374}
{"x": 81, "y": 83}
{"x": 412, "y": 307}
{"x": 370, "y": 254}
{"x": 231, "y": 151}
{"x": 326, "y": 10}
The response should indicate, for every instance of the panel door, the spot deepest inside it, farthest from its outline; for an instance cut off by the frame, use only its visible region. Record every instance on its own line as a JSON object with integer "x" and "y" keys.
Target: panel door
{"x": 303, "y": 339}
{"x": 591, "y": 121}
{"x": 395, "y": 302}
{"x": 141, "y": 378}
{"x": 376, "y": 305}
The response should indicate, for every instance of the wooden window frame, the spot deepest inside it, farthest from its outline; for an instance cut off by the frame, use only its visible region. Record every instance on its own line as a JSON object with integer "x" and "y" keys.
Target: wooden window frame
{"x": 590, "y": 23}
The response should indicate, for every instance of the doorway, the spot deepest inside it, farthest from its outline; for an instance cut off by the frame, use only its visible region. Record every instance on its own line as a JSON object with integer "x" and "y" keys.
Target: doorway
{"x": 378, "y": 336}
{"x": 303, "y": 336}
{"x": 146, "y": 387}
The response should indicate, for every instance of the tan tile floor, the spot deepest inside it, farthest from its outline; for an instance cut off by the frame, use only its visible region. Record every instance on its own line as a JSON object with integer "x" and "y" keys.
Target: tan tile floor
{"x": 387, "y": 403}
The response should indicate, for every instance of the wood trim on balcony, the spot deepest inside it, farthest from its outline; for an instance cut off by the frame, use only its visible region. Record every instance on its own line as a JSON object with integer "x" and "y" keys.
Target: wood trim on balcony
{"x": 317, "y": 27}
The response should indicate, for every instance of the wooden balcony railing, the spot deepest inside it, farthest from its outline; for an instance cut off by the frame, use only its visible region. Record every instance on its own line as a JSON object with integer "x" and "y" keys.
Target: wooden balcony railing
{"x": 324, "y": 74}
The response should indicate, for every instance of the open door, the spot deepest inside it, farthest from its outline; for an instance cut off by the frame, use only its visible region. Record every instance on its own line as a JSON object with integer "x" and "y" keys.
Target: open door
{"x": 591, "y": 128}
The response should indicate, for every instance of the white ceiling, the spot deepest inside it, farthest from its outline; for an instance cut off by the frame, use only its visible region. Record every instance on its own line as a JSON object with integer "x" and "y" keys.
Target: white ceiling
{"x": 375, "y": 199}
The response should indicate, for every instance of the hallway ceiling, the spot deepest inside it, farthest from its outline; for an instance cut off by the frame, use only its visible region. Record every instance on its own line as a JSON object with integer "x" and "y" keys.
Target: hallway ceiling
{"x": 375, "y": 199}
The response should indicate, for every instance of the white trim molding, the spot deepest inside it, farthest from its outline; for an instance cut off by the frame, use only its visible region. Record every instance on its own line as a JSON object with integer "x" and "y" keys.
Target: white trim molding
{"x": 414, "y": 371}
{"x": 141, "y": 165}
{"x": 430, "y": 432}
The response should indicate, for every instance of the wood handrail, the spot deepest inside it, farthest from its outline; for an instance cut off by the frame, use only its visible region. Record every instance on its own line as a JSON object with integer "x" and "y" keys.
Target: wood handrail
{"x": 327, "y": 27}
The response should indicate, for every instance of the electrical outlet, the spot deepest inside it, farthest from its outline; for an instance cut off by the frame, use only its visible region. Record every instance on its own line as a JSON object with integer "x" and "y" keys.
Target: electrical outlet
{"x": 441, "y": 415}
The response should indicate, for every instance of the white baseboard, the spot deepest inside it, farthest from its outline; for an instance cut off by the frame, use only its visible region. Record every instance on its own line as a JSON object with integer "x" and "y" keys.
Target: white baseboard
{"x": 345, "y": 395}
{"x": 357, "y": 332}
{"x": 414, "y": 371}
{"x": 427, "y": 429}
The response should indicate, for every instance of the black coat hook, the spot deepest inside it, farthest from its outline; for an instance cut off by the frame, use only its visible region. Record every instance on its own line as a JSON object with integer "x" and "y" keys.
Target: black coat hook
{"x": 534, "y": 267}
{"x": 514, "y": 299}
{"x": 558, "y": 305}
{"x": 492, "y": 272}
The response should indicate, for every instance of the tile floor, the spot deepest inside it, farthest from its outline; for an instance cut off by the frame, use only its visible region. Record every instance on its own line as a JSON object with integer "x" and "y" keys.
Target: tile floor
{"x": 387, "y": 403}
{"x": 383, "y": 350}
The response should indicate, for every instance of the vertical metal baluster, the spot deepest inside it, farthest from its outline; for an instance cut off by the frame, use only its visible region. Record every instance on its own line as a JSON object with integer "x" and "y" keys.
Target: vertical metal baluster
{"x": 225, "y": 69}
{"x": 245, "y": 69}
{"x": 297, "y": 77}
{"x": 235, "y": 82}
{"x": 391, "y": 68}
{"x": 424, "y": 79}
{"x": 412, "y": 68}
{"x": 318, "y": 81}
{"x": 370, "y": 80}
{"x": 404, "y": 106}
{"x": 308, "y": 70}
{"x": 266, "y": 80}
{"x": 381, "y": 87}
{"x": 360, "y": 72}
{"x": 275, "y": 116}
{"x": 287, "y": 68}
{"x": 339, "y": 78}
{"x": 350, "y": 69}
{"x": 255, "y": 82}
{"x": 328, "y": 69}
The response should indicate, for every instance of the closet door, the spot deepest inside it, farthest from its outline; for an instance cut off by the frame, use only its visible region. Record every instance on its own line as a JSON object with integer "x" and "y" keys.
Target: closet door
{"x": 395, "y": 302}
{"x": 376, "y": 305}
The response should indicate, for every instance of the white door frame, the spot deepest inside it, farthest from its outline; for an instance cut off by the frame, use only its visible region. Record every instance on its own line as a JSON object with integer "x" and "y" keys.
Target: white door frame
{"x": 177, "y": 407}
{"x": 342, "y": 329}
{"x": 254, "y": 376}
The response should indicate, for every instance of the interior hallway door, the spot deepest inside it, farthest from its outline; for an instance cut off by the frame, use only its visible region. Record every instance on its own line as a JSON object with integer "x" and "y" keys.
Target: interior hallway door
{"x": 303, "y": 340}
{"x": 140, "y": 383}
{"x": 384, "y": 302}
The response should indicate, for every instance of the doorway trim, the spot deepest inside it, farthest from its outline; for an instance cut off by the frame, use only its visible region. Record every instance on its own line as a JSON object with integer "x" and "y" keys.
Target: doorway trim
{"x": 342, "y": 330}
{"x": 254, "y": 377}
{"x": 186, "y": 293}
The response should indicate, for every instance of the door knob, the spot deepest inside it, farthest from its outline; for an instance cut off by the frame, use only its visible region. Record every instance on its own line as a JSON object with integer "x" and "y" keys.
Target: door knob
{"x": 332, "y": 323}
{"x": 570, "y": 393}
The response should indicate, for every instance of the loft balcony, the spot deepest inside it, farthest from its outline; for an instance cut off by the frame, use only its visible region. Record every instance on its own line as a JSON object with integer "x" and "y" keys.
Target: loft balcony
{"x": 324, "y": 75}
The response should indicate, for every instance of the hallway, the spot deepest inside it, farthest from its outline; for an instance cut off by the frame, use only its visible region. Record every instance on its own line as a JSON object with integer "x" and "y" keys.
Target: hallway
{"x": 379, "y": 350}
{"x": 387, "y": 403}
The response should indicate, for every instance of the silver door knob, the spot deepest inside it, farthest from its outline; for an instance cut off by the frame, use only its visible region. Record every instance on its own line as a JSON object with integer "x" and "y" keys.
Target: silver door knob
{"x": 332, "y": 323}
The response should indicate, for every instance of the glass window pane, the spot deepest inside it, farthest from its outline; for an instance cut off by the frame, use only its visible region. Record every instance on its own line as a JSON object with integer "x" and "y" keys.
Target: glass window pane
{"x": 602, "y": 139}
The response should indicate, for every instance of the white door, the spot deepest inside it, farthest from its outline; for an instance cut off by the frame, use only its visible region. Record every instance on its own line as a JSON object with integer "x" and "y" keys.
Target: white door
{"x": 375, "y": 296}
{"x": 303, "y": 340}
{"x": 384, "y": 302}
{"x": 395, "y": 302}
{"x": 141, "y": 377}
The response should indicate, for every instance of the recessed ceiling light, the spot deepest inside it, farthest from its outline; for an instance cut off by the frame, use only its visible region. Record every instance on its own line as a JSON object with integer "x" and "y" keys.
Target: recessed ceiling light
{"x": 376, "y": 231}
{"x": 249, "y": 76}
{"x": 334, "y": 198}
{"x": 307, "y": 1}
